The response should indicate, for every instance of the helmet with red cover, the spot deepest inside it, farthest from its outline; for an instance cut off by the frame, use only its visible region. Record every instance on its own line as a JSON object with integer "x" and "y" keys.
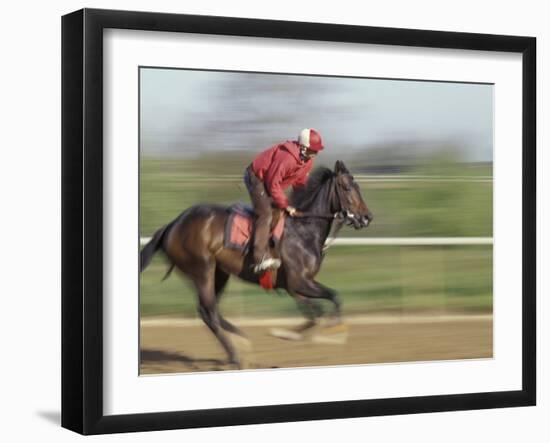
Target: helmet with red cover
{"x": 311, "y": 139}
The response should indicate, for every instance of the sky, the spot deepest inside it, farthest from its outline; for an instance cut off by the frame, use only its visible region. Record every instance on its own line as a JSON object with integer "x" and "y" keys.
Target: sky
{"x": 190, "y": 111}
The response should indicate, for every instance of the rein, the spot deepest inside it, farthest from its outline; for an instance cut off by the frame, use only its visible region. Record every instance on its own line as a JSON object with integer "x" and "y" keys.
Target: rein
{"x": 328, "y": 215}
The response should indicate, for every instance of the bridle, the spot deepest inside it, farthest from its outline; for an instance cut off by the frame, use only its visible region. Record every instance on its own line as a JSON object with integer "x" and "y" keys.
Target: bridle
{"x": 342, "y": 214}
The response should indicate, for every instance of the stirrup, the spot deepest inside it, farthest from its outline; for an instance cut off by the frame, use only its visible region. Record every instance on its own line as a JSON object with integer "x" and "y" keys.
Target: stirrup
{"x": 267, "y": 263}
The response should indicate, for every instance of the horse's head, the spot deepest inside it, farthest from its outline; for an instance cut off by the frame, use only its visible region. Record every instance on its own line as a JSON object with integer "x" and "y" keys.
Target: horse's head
{"x": 350, "y": 200}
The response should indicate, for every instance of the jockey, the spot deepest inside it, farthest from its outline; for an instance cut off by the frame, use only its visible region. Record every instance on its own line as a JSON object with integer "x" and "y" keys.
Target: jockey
{"x": 272, "y": 171}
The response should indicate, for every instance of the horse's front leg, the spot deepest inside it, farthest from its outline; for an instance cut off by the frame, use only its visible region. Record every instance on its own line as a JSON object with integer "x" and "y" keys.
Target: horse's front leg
{"x": 314, "y": 290}
{"x": 310, "y": 309}
{"x": 335, "y": 331}
{"x": 334, "y": 298}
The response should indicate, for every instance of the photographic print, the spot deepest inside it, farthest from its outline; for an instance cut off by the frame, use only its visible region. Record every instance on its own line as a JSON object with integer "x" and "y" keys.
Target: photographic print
{"x": 294, "y": 221}
{"x": 250, "y": 204}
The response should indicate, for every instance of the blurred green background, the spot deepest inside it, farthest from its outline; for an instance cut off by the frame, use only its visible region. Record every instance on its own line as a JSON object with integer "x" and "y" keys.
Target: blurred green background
{"x": 439, "y": 199}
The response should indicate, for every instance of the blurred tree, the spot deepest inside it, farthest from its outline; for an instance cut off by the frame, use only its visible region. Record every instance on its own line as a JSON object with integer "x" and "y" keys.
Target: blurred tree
{"x": 252, "y": 111}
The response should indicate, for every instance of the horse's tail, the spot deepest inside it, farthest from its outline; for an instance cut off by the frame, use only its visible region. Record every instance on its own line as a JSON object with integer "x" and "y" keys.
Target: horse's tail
{"x": 170, "y": 269}
{"x": 146, "y": 254}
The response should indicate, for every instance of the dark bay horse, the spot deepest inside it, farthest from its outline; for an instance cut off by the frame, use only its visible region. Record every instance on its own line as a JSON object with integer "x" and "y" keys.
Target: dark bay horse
{"x": 194, "y": 243}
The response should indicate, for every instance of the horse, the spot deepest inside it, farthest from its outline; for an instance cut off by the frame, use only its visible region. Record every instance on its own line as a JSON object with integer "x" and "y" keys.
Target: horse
{"x": 194, "y": 243}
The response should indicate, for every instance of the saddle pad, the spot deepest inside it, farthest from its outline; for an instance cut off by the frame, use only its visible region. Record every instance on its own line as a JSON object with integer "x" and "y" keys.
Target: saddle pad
{"x": 238, "y": 229}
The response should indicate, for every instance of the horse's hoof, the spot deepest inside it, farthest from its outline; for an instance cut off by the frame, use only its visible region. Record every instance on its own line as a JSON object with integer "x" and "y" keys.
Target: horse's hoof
{"x": 334, "y": 335}
{"x": 306, "y": 327}
{"x": 242, "y": 343}
{"x": 336, "y": 339}
{"x": 235, "y": 363}
{"x": 247, "y": 363}
{"x": 336, "y": 329}
{"x": 286, "y": 334}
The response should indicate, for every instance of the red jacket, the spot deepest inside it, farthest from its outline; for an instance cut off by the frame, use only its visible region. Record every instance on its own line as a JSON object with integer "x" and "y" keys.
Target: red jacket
{"x": 280, "y": 167}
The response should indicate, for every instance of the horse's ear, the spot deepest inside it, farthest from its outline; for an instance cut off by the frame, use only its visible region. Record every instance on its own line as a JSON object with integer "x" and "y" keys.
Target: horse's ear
{"x": 340, "y": 168}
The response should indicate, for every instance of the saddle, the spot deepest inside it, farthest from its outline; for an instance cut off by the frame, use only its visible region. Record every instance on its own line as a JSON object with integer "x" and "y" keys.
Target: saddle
{"x": 239, "y": 228}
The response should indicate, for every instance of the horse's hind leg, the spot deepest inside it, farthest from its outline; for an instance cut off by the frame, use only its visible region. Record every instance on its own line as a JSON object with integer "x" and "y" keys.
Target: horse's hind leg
{"x": 208, "y": 310}
{"x": 230, "y": 327}
{"x": 212, "y": 320}
{"x": 221, "y": 279}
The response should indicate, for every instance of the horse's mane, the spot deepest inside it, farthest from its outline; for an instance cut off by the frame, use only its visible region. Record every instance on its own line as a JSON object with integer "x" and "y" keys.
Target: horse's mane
{"x": 303, "y": 197}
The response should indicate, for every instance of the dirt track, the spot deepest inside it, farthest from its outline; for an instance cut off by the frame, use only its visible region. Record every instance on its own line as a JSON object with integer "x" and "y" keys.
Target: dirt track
{"x": 169, "y": 346}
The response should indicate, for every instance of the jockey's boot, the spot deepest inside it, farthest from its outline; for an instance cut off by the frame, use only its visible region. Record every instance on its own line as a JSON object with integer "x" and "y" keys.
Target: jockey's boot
{"x": 267, "y": 263}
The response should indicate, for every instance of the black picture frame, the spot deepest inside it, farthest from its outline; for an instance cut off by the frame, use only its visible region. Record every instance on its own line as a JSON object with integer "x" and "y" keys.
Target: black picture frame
{"x": 82, "y": 218}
